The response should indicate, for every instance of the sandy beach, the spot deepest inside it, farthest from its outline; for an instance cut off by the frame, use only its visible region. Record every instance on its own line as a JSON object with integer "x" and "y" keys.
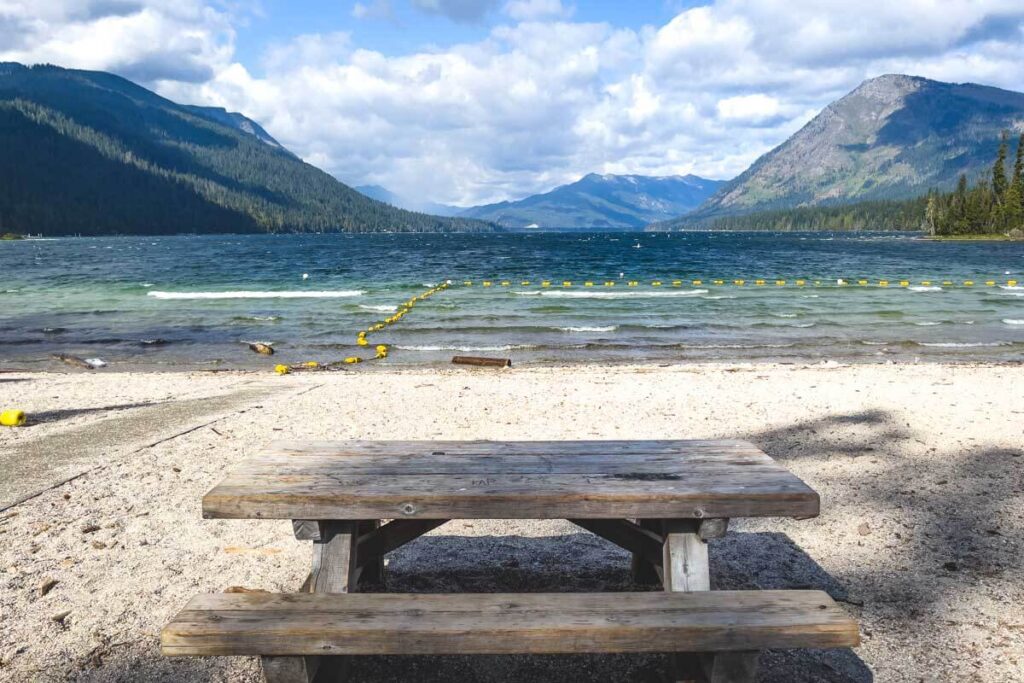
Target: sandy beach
{"x": 920, "y": 469}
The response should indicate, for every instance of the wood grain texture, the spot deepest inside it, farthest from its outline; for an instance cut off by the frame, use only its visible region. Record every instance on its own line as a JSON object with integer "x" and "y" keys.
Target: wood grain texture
{"x": 510, "y": 480}
{"x": 503, "y": 623}
{"x": 685, "y": 559}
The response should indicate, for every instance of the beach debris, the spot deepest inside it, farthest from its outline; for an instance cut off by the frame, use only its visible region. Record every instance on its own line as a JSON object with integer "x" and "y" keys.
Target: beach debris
{"x": 483, "y": 362}
{"x": 96, "y": 362}
{"x": 90, "y": 528}
{"x": 262, "y": 348}
{"x": 864, "y": 529}
{"x": 46, "y": 586}
{"x": 99, "y": 545}
{"x": 74, "y": 361}
{"x": 13, "y": 418}
{"x": 59, "y": 617}
{"x": 244, "y": 589}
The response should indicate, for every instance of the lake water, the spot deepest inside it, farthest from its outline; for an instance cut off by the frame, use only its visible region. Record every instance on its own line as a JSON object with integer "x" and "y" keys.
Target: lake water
{"x": 182, "y": 301}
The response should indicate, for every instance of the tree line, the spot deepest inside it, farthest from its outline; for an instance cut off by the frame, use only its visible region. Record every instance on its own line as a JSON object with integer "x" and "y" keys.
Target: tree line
{"x": 989, "y": 206}
{"x": 993, "y": 204}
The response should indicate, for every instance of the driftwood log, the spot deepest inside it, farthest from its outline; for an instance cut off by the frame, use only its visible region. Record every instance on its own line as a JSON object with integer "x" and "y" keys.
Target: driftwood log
{"x": 74, "y": 361}
{"x": 483, "y": 362}
{"x": 261, "y": 348}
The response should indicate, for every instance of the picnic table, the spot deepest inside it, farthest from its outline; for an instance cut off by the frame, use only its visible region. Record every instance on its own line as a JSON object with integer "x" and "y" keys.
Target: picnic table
{"x": 660, "y": 500}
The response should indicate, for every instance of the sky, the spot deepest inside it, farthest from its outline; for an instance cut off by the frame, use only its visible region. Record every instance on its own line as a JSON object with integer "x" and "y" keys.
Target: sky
{"x": 473, "y": 101}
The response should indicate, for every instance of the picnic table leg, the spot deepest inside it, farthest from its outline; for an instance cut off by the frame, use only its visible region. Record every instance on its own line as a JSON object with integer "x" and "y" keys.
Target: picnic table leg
{"x": 686, "y": 568}
{"x": 372, "y": 571}
{"x": 334, "y": 571}
{"x": 642, "y": 570}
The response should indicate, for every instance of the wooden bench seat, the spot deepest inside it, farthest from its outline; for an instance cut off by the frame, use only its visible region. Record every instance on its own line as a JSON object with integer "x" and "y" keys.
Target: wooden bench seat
{"x": 504, "y": 623}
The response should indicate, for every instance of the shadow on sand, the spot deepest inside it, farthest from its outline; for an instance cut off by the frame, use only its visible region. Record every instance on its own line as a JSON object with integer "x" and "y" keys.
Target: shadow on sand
{"x": 944, "y": 531}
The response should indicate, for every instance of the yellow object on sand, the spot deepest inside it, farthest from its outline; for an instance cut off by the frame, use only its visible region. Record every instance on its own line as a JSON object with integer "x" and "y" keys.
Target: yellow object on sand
{"x": 282, "y": 369}
{"x": 12, "y": 418}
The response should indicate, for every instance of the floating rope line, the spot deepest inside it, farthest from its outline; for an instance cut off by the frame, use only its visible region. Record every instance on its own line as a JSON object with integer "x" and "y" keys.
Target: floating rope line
{"x": 380, "y": 350}
{"x": 739, "y": 282}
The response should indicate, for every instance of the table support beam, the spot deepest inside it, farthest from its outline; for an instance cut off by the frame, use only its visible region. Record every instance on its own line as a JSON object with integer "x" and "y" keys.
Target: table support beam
{"x": 640, "y": 541}
{"x": 335, "y": 570}
{"x": 393, "y": 535}
{"x": 686, "y": 568}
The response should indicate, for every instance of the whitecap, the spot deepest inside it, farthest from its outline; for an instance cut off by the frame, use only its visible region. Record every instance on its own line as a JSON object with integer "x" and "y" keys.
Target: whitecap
{"x": 963, "y": 345}
{"x": 1011, "y": 321}
{"x": 384, "y": 308}
{"x": 506, "y": 347}
{"x": 622, "y": 295}
{"x": 925, "y": 288}
{"x": 338, "y": 294}
{"x": 927, "y": 323}
{"x": 609, "y": 328}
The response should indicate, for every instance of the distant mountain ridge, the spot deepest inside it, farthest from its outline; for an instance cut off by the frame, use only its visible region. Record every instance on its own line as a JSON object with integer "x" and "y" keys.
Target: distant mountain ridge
{"x": 88, "y": 152}
{"x": 893, "y": 137}
{"x": 382, "y": 194}
{"x": 602, "y": 202}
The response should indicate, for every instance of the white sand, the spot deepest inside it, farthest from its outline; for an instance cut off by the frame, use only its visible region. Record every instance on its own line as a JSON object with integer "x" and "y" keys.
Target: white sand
{"x": 919, "y": 470}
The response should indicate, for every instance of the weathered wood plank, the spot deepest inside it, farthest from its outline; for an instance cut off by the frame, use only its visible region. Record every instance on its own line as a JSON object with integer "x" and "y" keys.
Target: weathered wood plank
{"x": 513, "y": 480}
{"x": 381, "y": 623}
{"x": 371, "y": 564}
{"x": 628, "y": 535}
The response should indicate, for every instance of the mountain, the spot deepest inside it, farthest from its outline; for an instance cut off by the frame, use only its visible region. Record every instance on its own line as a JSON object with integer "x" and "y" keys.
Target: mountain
{"x": 602, "y": 201}
{"x": 893, "y": 137}
{"x": 235, "y": 120}
{"x": 92, "y": 153}
{"x": 382, "y": 194}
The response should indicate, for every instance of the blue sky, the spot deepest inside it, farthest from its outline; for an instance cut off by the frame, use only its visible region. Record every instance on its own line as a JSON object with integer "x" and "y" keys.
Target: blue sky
{"x": 408, "y": 29}
{"x": 474, "y": 101}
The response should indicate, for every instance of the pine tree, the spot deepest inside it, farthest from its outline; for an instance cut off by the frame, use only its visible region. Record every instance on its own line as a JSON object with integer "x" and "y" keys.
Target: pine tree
{"x": 959, "y": 216}
{"x": 999, "y": 185}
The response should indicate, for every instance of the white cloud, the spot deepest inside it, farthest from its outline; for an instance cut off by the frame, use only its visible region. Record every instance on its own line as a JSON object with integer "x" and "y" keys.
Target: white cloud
{"x": 756, "y": 108}
{"x": 538, "y": 101}
{"x": 145, "y": 40}
{"x": 532, "y": 10}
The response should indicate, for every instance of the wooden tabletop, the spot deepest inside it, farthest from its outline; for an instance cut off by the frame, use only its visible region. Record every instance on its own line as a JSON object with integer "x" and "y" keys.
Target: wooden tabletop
{"x": 509, "y": 480}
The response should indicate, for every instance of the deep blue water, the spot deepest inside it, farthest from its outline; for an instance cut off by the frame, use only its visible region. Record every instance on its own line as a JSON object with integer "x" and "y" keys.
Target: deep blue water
{"x": 194, "y": 296}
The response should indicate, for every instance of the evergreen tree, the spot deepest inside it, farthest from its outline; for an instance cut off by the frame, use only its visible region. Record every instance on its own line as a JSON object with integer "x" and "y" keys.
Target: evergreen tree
{"x": 999, "y": 183}
{"x": 959, "y": 217}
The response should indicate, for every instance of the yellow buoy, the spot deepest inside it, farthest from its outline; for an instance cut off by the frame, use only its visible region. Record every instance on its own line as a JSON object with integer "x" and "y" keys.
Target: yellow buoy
{"x": 311, "y": 364}
{"x": 12, "y": 418}
{"x": 353, "y": 359}
{"x": 282, "y": 369}
{"x": 361, "y": 341}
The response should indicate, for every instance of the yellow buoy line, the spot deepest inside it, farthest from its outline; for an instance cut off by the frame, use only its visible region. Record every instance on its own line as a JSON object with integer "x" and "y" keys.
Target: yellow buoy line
{"x": 380, "y": 350}
{"x": 742, "y": 282}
